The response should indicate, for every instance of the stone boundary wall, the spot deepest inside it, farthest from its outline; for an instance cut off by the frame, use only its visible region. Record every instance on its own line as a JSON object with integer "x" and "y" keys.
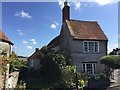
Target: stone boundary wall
{"x": 13, "y": 79}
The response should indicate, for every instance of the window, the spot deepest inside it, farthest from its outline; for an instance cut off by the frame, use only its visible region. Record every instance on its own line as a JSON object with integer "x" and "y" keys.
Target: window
{"x": 89, "y": 68}
{"x": 91, "y": 46}
{"x": 31, "y": 63}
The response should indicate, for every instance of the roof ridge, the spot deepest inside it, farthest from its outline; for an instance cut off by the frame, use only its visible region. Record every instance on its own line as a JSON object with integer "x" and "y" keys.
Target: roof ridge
{"x": 83, "y": 21}
{"x": 4, "y": 38}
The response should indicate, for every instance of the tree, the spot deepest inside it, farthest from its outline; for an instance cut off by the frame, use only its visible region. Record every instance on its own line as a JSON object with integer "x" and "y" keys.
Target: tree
{"x": 14, "y": 62}
{"x": 112, "y": 61}
{"x": 49, "y": 69}
{"x": 51, "y": 64}
{"x": 61, "y": 58}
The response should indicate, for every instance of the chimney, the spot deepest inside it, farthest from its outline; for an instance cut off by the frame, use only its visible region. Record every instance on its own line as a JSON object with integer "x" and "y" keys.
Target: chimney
{"x": 66, "y": 12}
{"x": 36, "y": 49}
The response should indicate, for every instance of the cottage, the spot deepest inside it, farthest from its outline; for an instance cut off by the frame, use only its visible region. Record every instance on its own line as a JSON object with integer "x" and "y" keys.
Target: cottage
{"x": 34, "y": 59}
{"x": 5, "y": 44}
{"x": 84, "y": 41}
{"x": 6, "y": 49}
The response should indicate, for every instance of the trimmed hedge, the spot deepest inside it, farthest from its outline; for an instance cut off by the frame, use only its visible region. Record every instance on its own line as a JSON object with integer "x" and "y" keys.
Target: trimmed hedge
{"x": 112, "y": 61}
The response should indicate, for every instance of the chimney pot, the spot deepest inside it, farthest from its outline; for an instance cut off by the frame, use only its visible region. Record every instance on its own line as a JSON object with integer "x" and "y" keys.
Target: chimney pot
{"x": 36, "y": 49}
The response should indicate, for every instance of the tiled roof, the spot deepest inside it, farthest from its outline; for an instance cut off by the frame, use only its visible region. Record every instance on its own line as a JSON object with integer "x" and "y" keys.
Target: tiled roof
{"x": 54, "y": 42}
{"x": 4, "y": 38}
{"x": 86, "y": 30}
{"x": 35, "y": 55}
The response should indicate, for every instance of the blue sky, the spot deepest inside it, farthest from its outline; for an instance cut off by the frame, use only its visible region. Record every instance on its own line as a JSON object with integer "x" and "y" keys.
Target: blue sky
{"x": 31, "y": 25}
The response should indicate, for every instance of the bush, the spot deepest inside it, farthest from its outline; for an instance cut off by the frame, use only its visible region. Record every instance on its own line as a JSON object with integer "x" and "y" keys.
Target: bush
{"x": 111, "y": 61}
{"x": 61, "y": 85}
{"x": 100, "y": 76}
{"x": 68, "y": 73}
{"x": 83, "y": 76}
{"x": 49, "y": 70}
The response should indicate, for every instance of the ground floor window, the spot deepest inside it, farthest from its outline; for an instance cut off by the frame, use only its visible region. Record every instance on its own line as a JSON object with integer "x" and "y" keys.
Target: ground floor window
{"x": 89, "y": 68}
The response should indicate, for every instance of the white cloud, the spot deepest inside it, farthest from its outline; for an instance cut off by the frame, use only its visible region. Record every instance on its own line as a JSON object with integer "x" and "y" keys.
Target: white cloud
{"x": 21, "y": 33}
{"x": 29, "y": 47}
{"x": 104, "y": 2}
{"x": 23, "y": 14}
{"x": 19, "y": 30}
{"x": 24, "y": 42}
{"x": 33, "y": 41}
{"x": 77, "y": 5}
{"x": 61, "y": 3}
{"x": 54, "y": 25}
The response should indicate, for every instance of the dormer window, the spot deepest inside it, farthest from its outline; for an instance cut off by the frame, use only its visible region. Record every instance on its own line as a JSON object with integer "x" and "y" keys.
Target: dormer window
{"x": 91, "y": 46}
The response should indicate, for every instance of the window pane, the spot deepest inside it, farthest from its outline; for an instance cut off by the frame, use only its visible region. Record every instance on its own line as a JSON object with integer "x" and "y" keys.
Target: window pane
{"x": 89, "y": 68}
{"x": 85, "y": 47}
{"x": 83, "y": 67}
{"x": 96, "y": 46}
{"x": 91, "y": 47}
{"x": 94, "y": 67}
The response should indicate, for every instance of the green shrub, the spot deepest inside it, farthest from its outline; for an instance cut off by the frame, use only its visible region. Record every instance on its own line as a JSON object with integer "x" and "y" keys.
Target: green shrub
{"x": 61, "y": 85}
{"x": 49, "y": 70}
{"x": 111, "y": 61}
{"x": 100, "y": 76}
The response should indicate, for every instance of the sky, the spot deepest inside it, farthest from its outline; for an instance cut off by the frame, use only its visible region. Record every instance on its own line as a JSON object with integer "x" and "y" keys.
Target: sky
{"x": 31, "y": 25}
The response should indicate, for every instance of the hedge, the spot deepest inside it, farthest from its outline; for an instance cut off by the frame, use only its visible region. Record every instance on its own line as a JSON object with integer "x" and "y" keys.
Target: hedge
{"x": 112, "y": 61}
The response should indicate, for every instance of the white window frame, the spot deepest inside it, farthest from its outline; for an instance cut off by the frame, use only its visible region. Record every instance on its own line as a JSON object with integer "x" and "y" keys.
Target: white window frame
{"x": 93, "y": 68}
{"x": 88, "y": 51}
{"x": 31, "y": 63}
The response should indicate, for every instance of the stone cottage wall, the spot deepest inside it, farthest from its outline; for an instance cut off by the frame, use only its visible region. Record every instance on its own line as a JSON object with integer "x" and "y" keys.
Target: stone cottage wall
{"x": 75, "y": 49}
{"x": 7, "y": 47}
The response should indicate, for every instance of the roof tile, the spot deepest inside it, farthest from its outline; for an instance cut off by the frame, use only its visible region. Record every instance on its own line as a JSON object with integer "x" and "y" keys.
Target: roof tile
{"x": 4, "y": 38}
{"x": 86, "y": 30}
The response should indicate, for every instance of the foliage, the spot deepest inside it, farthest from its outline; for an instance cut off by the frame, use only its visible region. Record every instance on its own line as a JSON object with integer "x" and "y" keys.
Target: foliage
{"x": 15, "y": 63}
{"x": 83, "y": 79}
{"x": 53, "y": 68}
{"x": 82, "y": 83}
{"x": 100, "y": 76}
{"x": 68, "y": 74}
{"x": 51, "y": 64}
{"x": 83, "y": 76}
{"x": 59, "y": 57}
{"x": 112, "y": 61}
{"x": 61, "y": 85}
{"x": 4, "y": 63}
{"x": 49, "y": 70}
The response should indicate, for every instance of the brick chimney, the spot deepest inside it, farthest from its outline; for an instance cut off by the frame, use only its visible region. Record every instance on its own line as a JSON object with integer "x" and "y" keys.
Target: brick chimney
{"x": 36, "y": 49}
{"x": 66, "y": 12}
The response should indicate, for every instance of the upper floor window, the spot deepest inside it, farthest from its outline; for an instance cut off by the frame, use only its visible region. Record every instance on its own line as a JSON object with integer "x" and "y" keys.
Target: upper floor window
{"x": 91, "y": 46}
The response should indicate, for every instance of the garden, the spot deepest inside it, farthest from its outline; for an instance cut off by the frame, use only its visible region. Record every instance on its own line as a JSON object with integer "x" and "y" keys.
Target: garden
{"x": 56, "y": 72}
